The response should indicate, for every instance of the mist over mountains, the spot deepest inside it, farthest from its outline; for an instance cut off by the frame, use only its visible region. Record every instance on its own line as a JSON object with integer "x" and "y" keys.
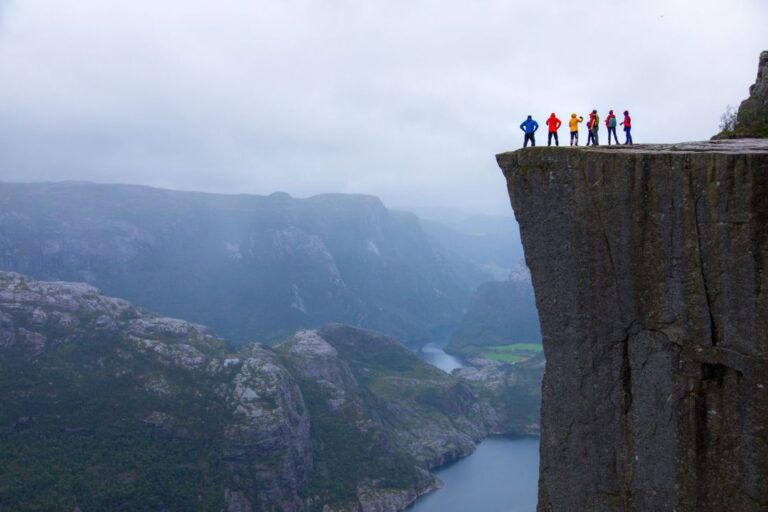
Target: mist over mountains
{"x": 250, "y": 267}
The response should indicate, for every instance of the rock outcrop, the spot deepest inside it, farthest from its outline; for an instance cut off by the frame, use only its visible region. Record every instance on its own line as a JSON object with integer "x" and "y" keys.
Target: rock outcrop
{"x": 650, "y": 270}
{"x": 115, "y": 407}
{"x": 752, "y": 117}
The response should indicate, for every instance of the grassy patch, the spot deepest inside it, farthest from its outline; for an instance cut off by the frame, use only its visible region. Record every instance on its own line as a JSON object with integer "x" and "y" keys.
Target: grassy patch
{"x": 513, "y": 353}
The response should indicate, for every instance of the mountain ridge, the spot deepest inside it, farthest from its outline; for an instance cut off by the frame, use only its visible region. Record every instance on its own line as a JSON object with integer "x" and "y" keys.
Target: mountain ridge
{"x": 258, "y": 266}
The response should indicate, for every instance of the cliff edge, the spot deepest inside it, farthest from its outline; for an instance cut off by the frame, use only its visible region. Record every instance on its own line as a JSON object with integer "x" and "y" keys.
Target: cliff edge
{"x": 649, "y": 265}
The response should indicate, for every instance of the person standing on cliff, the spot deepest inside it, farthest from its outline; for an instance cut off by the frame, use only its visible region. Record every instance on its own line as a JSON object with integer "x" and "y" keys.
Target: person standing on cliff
{"x": 529, "y": 127}
{"x": 590, "y": 122}
{"x": 593, "y": 131}
{"x": 573, "y": 125}
{"x": 610, "y": 123}
{"x": 554, "y": 124}
{"x": 627, "y": 124}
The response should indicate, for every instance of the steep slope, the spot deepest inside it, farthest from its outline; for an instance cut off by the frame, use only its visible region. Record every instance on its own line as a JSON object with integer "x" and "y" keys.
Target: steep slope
{"x": 752, "y": 117}
{"x": 489, "y": 243}
{"x": 649, "y": 269}
{"x": 112, "y": 408}
{"x": 251, "y": 267}
{"x": 109, "y": 407}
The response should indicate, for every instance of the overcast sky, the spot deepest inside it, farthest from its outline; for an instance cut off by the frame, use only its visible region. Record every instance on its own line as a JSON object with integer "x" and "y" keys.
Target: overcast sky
{"x": 405, "y": 99}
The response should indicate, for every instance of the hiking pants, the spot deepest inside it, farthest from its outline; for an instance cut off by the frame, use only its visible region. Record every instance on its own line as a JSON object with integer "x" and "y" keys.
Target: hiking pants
{"x": 529, "y": 137}
{"x": 549, "y": 139}
{"x": 612, "y": 130}
{"x": 594, "y": 136}
{"x": 628, "y": 133}
{"x": 575, "y": 138}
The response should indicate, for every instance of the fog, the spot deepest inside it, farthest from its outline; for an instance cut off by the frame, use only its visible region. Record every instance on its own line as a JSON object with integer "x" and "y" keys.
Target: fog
{"x": 407, "y": 100}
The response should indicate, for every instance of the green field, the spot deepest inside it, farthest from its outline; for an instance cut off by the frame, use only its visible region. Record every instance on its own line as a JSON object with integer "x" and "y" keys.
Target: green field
{"x": 513, "y": 353}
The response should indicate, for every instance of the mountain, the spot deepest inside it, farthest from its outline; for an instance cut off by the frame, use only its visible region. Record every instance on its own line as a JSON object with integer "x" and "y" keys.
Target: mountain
{"x": 251, "y": 267}
{"x": 110, "y": 407}
{"x": 500, "y": 313}
{"x": 489, "y": 243}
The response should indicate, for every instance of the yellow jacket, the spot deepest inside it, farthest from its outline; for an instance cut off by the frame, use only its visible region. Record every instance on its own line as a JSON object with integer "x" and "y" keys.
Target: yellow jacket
{"x": 573, "y": 124}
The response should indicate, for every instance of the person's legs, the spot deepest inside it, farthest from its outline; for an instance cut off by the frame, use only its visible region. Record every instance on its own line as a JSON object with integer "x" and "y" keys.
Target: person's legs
{"x": 526, "y": 139}
{"x": 595, "y": 134}
{"x": 549, "y": 138}
{"x": 533, "y": 139}
{"x": 574, "y": 138}
{"x": 628, "y": 131}
{"x": 557, "y": 141}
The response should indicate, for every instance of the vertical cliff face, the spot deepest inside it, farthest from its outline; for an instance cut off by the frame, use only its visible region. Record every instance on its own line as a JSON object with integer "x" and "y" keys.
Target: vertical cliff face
{"x": 650, "y": 270}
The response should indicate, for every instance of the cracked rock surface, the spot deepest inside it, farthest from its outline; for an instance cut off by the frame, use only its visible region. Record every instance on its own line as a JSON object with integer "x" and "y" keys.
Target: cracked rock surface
{"x": 649, "y": 265}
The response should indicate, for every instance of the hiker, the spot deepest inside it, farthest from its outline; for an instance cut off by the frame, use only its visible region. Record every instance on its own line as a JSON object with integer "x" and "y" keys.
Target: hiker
{"x": 610, "y": 123}
{"x": 590, "y": 122}
{"x": 573, "y": 125}
{"x": 595, "y": 126}
{"x": 529, "y": 127}
{"x": 627, "y": 124}
{"x": 554, "y": 124}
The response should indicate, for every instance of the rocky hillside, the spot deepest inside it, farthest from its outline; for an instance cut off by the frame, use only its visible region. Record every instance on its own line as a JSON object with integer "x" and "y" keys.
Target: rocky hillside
{"x": 110, "y": 407}
{"x": 250, "y": 267}
{"x": 752, "y": 117}
{"x": 649, "y": 269}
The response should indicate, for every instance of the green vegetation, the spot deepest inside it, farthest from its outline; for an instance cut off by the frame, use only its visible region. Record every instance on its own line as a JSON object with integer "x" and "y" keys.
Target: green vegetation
{"x": 79, "y": 427}
{"x": 344, "y": 454}
{"x": 513, "y": 353}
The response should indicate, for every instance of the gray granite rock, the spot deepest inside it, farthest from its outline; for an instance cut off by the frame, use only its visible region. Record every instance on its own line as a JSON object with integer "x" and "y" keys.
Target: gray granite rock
{"x": 649, "y": 265}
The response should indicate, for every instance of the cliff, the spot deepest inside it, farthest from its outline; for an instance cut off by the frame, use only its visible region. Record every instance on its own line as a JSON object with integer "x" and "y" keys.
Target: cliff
{"x": 649, "y": 267}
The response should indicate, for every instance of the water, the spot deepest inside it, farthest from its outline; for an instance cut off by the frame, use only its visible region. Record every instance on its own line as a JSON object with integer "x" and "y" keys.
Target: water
{"x": 500, "y": 476}
{"x": 433, "y": 354}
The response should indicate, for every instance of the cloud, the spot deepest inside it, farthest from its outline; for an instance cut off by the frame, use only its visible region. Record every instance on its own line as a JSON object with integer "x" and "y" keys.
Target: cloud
{"x": 406, "y": 100}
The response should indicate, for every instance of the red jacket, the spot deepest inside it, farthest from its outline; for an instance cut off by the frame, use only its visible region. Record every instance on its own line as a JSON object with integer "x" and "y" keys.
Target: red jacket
{"x": 591, "y": 120}
{"x": 608, "y": 119}
{"x": 627, "y": 122}
{"x": 554, "y": 123}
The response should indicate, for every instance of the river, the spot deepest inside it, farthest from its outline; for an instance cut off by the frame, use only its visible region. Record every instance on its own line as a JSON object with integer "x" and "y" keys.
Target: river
{"x": 500, "y": 476}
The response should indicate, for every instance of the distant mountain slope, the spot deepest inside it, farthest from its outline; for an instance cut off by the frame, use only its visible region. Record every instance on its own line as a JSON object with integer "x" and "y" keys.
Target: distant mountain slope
{"x": 500, "y": 313}
{"x": 250, "y": 267}
{"x": 491, "y": 243}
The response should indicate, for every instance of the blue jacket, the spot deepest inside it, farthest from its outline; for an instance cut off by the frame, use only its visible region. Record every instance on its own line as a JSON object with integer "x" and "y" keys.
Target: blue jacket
{"x": 529, "y": 126}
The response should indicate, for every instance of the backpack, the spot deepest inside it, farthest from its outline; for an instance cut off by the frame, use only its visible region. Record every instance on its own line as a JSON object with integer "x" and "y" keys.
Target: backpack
{"x": 612, "y": 122}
